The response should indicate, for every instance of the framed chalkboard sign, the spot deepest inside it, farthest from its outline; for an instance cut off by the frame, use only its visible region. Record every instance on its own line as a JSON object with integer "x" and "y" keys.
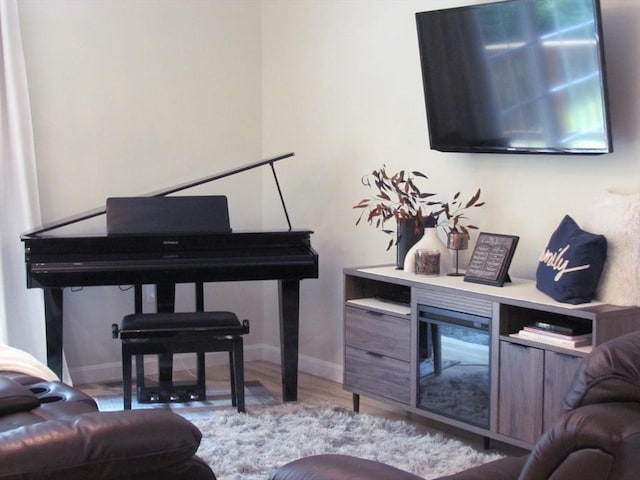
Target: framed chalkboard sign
{"x": 491, "y": 258}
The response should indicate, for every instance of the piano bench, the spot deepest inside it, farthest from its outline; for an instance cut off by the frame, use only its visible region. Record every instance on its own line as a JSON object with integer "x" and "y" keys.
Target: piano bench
{"x": 165, "y": 334}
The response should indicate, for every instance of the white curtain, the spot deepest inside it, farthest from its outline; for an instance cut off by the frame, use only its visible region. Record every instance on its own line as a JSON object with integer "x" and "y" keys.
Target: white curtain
{"x": 21, "y": 310}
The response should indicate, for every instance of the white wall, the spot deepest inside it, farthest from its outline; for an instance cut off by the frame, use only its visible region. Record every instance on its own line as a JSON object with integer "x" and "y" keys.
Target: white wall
{"x": 131, "y": 96}
{"x": 342, "y": 87}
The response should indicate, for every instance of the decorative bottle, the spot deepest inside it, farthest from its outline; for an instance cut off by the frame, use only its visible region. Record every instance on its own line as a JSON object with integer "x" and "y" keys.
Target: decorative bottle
{"x": 429, "y": 241}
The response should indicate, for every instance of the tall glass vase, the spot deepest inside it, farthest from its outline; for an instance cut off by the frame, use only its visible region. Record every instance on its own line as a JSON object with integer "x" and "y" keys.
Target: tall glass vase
{"x": 429, "y": 241}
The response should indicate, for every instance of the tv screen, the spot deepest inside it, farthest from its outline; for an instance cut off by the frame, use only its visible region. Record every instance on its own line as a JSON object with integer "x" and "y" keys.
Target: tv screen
{"x": 517, "y": 76}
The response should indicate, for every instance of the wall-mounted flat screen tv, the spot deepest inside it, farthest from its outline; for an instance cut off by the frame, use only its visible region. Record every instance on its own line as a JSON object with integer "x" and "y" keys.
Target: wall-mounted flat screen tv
{"x": 516, "y": 76}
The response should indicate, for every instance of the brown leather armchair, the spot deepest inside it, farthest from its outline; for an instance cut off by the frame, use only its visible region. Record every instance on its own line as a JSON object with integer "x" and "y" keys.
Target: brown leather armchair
{"x": 598, "y": 437}
{"x": 49, "y": 430}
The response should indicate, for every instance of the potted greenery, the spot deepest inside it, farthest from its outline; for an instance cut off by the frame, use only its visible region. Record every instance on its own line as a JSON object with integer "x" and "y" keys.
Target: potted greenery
{"x": 398, "y": 198}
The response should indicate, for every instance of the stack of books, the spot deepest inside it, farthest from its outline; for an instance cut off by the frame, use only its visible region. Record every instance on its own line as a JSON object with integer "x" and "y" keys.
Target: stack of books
{"x": 572, "y": 336}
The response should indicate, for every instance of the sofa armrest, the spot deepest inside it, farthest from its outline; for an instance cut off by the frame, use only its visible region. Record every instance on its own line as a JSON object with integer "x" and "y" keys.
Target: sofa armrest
{"x": 15, "y": 397}
{"x": 98, "y": 445}
{"x": 609, "y": 374}
{"x": 339, "y": 467}
{"x": 593, "y": 442}
{"x": 343, "y": 467}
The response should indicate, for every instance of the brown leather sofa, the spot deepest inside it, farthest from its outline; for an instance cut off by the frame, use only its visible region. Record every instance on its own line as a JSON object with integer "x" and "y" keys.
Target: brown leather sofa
{"x": 598, "y": 437}
{"x": 49, "y": 431}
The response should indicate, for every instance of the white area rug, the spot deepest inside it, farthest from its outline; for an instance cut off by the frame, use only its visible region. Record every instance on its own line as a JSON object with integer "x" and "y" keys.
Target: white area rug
{"x": 251, "y": 446}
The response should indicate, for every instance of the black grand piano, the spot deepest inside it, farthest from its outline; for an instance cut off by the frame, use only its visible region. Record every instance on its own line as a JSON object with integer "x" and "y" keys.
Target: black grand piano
{"x": 54, "y": 262}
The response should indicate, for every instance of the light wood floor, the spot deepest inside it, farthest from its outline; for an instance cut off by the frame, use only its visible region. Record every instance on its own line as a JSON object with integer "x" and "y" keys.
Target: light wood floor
{"x": 315, "y": 391}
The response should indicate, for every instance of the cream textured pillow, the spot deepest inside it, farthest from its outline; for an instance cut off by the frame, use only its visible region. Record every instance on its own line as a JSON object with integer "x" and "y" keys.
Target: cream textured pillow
{"x": 16, "y": 360}
{"x": 617, "y": 217}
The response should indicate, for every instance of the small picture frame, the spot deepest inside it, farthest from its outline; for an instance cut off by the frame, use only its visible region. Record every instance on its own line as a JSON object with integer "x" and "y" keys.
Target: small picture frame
{"x": 491, "y": 258}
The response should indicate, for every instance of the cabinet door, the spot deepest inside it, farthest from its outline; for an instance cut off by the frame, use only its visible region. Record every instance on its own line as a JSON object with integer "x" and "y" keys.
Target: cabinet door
{"x": 520, "y": 391}
{"x": 559, "y": 369}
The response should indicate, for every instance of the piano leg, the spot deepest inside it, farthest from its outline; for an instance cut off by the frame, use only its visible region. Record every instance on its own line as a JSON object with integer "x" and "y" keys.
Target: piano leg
{"x": 53, "y": 328}
{"x": 165, "y": 303}
{"x": 289, "y": 300}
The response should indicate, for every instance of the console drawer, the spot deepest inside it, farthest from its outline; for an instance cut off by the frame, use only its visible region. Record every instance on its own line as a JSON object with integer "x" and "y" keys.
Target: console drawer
{"x": 386, "y": 335}
{"x": 383, "y": 376}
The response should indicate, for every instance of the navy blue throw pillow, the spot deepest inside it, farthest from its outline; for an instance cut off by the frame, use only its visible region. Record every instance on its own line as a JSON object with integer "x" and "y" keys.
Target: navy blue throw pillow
{"x": 570, "y": 267}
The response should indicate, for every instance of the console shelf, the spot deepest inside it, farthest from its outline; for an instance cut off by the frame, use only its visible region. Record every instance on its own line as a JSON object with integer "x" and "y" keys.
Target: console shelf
{"x": 389, "y": 346}
{"x": 373, "y": 303}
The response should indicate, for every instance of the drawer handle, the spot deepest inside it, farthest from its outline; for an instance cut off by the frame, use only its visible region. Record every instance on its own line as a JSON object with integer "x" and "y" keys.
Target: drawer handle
{"x": 374, "y": 354}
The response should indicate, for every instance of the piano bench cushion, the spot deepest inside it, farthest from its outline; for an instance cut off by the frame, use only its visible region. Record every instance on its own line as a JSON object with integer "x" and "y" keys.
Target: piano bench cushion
{"x": 162, "y": 324}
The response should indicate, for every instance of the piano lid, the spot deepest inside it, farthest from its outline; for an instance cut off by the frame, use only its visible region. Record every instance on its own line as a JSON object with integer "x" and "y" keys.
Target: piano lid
{"x": 177, "y": 188}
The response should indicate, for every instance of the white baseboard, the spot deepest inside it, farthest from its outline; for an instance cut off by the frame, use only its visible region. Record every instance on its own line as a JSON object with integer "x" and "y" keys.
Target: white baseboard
{"x": 306, "y": 364}
{"x": 112, "y": 372}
